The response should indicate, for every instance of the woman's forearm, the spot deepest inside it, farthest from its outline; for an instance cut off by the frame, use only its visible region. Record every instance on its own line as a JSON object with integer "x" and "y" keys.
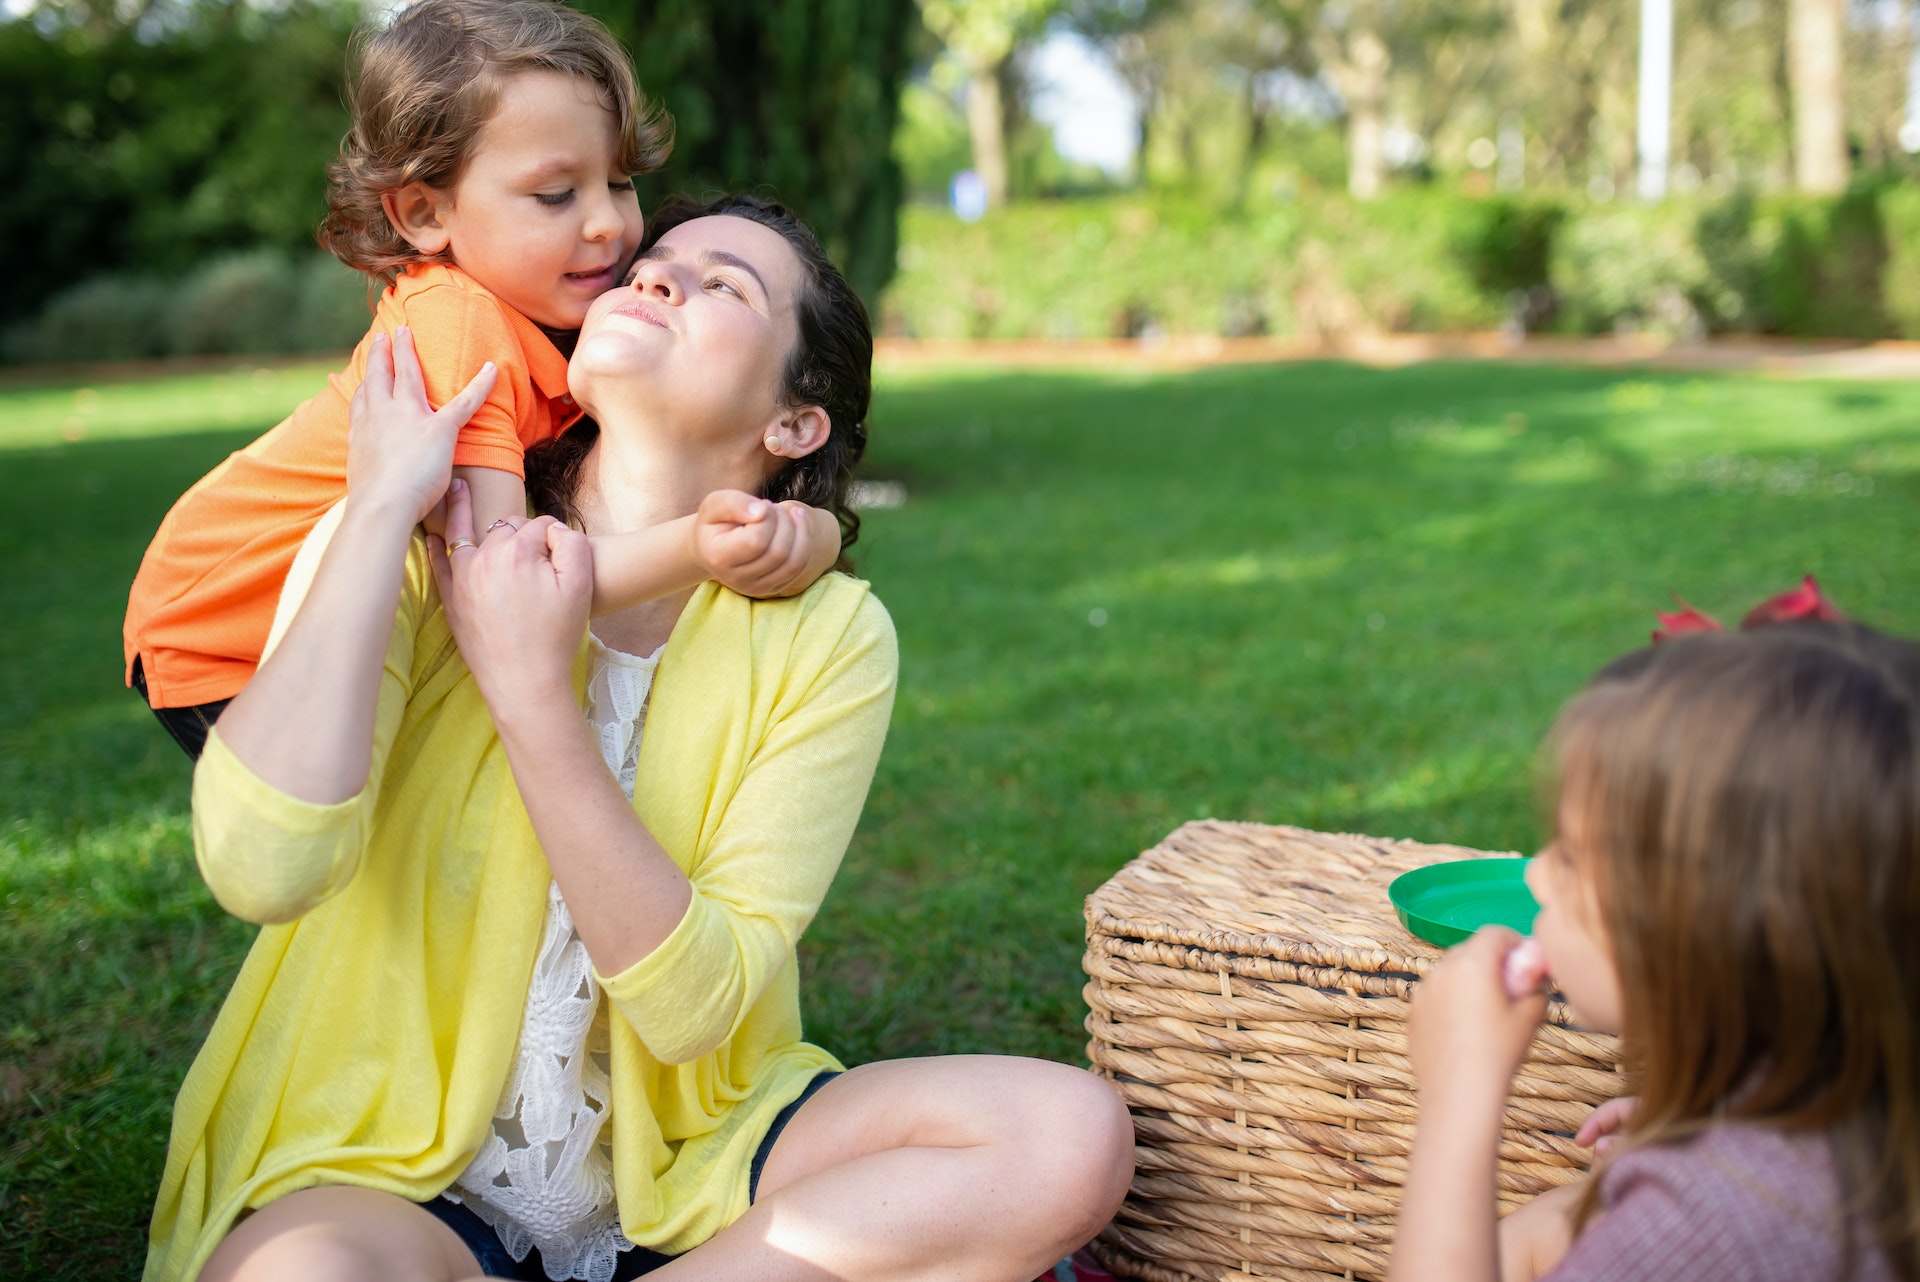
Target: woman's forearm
{"x": 624, "y": 891}
{"x": 305, "y": 722}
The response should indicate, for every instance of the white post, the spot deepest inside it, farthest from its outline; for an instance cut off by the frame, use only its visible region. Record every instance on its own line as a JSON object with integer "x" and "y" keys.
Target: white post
{"x": 1656, "y": 97}
{"x": 1910, "y": 127}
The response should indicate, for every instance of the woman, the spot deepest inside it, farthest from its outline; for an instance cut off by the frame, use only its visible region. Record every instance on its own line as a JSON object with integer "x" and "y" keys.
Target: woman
{"x": 443, "y": 888}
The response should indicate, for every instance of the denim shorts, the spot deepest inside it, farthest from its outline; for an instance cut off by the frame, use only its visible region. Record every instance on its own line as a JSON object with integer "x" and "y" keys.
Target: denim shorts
{"x": 635, "y": 1261}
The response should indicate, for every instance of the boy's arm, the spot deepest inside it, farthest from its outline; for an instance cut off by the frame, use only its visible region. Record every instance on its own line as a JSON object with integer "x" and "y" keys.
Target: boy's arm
{"x": 757, "y": 548}
{"x": 823, "y": 547}
{"x": 643, "y": 565}
{"x": 494, "y": 494}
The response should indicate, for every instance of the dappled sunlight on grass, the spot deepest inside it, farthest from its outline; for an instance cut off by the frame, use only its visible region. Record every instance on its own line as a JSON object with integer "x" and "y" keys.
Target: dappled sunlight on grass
{"x": 1312, "y": 594}
{"x": 76, "y": 408}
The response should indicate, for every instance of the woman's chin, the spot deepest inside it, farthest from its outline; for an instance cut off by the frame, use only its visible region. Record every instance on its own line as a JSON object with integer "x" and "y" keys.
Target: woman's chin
{"x": 608, "y": 357}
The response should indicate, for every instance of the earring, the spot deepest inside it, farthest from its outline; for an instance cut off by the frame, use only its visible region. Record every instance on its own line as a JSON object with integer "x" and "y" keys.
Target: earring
{"x": 773, "y": 444}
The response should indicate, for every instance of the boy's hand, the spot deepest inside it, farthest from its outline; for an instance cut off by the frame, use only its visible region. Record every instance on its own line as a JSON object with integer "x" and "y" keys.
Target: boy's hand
{"x": 759, "y": 548}
{"x": 1467, "y": 1035}
{"x": 399, "y": 448}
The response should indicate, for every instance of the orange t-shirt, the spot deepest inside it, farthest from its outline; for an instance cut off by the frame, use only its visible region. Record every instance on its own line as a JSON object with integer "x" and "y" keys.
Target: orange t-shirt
{"x": 201, "y": 606}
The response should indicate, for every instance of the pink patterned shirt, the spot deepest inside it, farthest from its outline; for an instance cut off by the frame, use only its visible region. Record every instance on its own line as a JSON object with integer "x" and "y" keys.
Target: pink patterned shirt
{"x": 1739, "y": 1201}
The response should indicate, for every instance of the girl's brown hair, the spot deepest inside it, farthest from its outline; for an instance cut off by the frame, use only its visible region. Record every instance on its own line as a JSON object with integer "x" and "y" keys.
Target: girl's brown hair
{"x": 1748, "y": 805}
{"x": 830, "y": 365}
{"x": 427, "y": 84}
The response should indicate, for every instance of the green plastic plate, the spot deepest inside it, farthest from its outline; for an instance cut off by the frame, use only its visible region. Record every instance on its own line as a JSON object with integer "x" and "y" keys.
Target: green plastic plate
{"x": 1445, "y": 903}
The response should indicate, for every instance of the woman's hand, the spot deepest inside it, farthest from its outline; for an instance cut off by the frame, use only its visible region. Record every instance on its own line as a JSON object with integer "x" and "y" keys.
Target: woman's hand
{"x": 757, "y": 547}
{"x": 1466, "y": 1033}
{"x": 399, "y": 448}
{"x": 517, "y": 606}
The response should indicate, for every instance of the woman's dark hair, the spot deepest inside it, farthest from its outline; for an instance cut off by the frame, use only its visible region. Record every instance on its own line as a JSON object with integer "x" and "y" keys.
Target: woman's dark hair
{"x": 1749, "y": 809}
{"x": 831, "y": 365}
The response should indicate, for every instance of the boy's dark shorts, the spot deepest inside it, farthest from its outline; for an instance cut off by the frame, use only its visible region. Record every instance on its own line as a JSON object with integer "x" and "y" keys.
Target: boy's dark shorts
{"x": 189, "y": 725}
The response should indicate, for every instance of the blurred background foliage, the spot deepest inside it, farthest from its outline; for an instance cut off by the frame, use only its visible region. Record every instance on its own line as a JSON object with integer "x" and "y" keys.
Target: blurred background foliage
{"x": 1298, "y": 166}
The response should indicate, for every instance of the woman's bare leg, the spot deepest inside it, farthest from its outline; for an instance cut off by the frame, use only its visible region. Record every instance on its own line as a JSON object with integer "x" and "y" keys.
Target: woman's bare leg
{"x": 965, "y": 1168}
{"x": 341, "y": 1234}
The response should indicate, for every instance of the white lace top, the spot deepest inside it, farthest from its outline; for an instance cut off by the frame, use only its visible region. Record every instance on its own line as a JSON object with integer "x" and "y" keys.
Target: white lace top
{"x": 544, "y": 1177}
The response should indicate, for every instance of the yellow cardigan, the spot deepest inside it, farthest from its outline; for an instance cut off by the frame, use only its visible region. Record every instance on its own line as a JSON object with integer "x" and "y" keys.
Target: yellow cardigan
{"x": 369, "y": 1033}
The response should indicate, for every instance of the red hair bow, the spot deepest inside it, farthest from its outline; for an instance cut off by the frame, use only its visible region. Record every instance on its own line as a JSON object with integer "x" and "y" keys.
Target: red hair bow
{"x": 1803, "y": 602}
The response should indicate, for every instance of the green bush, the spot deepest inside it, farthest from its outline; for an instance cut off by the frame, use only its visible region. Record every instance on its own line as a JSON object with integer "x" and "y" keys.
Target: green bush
{"x": 257, "y": 303}
{"x": 1507, "y": 245}
{"x": 1900, "y": 281}
{"x": 1309, "y": 261}
{"x": 1824, "y": 278}
{"x": 1087, "y": 269}
{"x": 237, "y": 303}
{"x": 109, "y": 318}
{"x": 332, "y": 306}
{"x": 1144, "y": 265}
{"x": 1633, "y": 267}
{"x": 1416, "y": 259}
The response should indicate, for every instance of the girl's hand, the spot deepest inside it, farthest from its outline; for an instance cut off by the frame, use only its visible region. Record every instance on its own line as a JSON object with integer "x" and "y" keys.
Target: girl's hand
{"x": 399, "y": 448}
{"x": 1536, "y": 1236}
{"x": 517, "y": 606}
{"x": 1467, "y": 1035}
{"x": 756, "y": 547}
{"x": 1601, "y": 1131}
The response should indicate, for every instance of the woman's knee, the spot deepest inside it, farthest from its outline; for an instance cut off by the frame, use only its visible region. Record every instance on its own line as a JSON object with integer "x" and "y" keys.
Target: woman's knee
{"x": 340, "y": 1235}
{"x": 1071, "y": 1133}
{"x": 1103, "y": 1128}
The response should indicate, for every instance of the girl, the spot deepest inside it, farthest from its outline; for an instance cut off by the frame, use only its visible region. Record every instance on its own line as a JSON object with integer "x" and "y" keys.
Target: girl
{"x": 1733, "y": 886}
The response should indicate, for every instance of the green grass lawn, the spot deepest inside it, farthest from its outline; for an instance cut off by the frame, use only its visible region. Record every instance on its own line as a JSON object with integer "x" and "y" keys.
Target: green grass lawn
{"x": 1311, "y": 594}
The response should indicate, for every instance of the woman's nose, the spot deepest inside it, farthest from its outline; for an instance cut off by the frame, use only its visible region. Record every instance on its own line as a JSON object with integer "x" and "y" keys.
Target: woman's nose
{"x": 658, "y": 279}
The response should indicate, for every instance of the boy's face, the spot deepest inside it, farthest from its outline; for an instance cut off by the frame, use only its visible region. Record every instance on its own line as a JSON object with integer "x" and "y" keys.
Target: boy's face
{"x": 542, "y": 215}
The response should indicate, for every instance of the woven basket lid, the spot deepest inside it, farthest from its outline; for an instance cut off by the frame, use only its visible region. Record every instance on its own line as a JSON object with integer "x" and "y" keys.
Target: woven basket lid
{"x": 1261, "y": 890}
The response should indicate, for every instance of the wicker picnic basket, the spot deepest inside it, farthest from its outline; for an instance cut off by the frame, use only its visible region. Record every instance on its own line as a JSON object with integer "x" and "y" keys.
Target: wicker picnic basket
{"x": 1248, "y": 993}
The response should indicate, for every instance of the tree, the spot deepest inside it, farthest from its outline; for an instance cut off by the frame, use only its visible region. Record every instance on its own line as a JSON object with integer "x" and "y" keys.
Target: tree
{"x": 1814, "y": 59}
{"x": 1353, "y": 52}
{"x": 146, "y": 150}
{"x": 795, "y": 97}
{"x": 982, "y": 35}
{"x": 1204, "y": 76}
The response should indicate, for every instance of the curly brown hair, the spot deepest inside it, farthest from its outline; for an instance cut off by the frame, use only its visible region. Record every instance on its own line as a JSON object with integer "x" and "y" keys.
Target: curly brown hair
{"x": 427, "y": 84}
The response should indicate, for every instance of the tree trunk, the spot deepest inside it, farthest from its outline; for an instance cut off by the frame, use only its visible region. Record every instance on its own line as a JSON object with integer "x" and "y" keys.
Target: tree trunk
{"x": 1815, "y": 31}
{"x": 1366, "y": 93}
{"x": 987, "y": 128}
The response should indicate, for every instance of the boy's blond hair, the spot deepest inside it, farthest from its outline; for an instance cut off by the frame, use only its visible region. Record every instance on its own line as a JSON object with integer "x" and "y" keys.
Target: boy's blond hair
{"x": 428, "y": 83}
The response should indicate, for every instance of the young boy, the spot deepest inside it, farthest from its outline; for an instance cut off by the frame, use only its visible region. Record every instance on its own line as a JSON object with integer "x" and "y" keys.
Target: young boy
{"x": 487, "y": 181}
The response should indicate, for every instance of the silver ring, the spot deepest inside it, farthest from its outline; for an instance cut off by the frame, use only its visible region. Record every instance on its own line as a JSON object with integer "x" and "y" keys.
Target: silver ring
{"x": 457, "y": 544}
{"x": 503, "y": 521}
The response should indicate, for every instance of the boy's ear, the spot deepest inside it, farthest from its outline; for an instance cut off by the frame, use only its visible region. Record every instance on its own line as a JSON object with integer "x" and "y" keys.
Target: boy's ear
{"x": 415, "y": 211}
{"x": 800, "y": 431}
